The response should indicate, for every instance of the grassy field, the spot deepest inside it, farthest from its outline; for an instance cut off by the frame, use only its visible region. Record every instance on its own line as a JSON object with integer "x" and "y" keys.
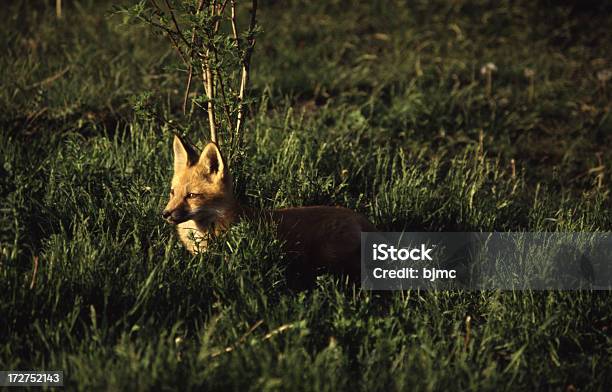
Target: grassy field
{"x": 378, "y": 107}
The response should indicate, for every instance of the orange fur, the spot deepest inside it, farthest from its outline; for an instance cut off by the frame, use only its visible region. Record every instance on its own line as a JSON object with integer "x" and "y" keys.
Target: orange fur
{"x": 202, "y": 202}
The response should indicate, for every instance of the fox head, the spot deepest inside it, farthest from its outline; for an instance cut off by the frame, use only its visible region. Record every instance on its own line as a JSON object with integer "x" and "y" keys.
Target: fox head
{"x": 201, "y": 187}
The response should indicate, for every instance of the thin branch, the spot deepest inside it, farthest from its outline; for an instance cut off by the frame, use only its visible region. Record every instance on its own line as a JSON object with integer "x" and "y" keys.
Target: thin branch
{"x": 245, "y": 63}
{"x": 208, "y": 82}
{"x": 268, "y": 336}
{"x": 230, "y": 123}
{"x": 221, "y": 11}
{"x": 235, "y": 24}
{"x": 176, "y": 25}
{"x": 208, "y": 87}
{"x": 170, "y": 33}
{"x": 171, "y": 11}
{"x": 191, "y": 49}
{"x": 208, "y": 78}
{"x": 50, "y": 79}
{"x": 58, "y": 9}
{"x": 187, "y": 88}
{"x": 225, "y": 105}
{"x": 240, "y": 341}
{"x": 202, "y": 47}
{"x": 33, "y": 281}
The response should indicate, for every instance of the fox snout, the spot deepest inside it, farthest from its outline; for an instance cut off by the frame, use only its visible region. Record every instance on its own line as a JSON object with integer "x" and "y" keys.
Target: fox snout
{"x": 201, "y": 187}
{"x": 174, "y": 216}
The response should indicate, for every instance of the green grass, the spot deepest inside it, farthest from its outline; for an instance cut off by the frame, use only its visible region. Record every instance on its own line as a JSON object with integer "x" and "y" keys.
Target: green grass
{"x": 380, "y": 108}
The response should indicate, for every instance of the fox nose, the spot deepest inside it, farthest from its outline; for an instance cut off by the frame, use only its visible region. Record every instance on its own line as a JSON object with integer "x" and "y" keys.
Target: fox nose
{"x": 166, "y": 214}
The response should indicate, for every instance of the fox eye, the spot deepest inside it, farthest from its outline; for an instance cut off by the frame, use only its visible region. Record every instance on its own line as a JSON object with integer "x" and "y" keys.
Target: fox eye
{"x": 171, "y": 192}
{"x": 192, "y": 195}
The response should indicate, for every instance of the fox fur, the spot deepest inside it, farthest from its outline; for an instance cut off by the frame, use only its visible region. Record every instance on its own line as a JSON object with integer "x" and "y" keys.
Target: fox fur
{"x": 202, "y": 204}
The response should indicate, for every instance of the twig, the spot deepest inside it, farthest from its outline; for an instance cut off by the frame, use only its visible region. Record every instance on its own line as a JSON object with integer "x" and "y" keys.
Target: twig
{"x": 278, "y": 330}
{"x": 170, "y": 35}
{"x": 169, "y": 32}
{"x": 201, "y": 47}
{"x": 238, "y": 342}
{"x": 221, "y": 11}
{"x": 468, "y": 330}
{"x": 600, "y": 176}
{"x": 245, "y": 63}
{"x": 34, "y": 116}
{"x": 51, "y": 78}
{"x": 222, "y": 88}
{"x": 207, "y": 77}
{"x": 267, "y": 336}
{"x": 219, "y": 74}
{"x": 176, "y": 25}
{"x": 234, "y": 24}
{"x": 187, "y": 88}
{"x": 234, "y": 135}
{"x": 191, "y": 49}
{"x": 58, "y": 9}
{"x": 33, "y": 282}
{"x": 480, "y": 152}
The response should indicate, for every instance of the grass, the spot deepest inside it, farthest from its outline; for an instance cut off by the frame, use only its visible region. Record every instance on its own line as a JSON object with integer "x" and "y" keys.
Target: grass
{"x": 380, "y": 108}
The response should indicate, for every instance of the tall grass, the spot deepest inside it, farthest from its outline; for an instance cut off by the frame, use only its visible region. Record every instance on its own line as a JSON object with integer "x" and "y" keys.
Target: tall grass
{"x": 380, "y": 108}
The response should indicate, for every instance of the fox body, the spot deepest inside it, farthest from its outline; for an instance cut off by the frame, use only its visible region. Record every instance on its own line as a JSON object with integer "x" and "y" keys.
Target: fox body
{"x": 202, "y": 203}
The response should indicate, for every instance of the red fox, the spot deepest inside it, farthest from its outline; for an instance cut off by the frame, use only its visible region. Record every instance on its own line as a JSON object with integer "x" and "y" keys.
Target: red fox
{"x": 202, "y": 203}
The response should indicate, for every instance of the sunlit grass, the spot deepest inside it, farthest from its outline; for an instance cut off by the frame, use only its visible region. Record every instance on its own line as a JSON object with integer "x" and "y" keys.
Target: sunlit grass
{"x": 379, "y": 108}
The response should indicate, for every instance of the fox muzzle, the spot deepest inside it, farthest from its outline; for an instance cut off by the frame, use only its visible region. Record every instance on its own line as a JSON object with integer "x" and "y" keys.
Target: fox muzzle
{"x": 174, "y": 216}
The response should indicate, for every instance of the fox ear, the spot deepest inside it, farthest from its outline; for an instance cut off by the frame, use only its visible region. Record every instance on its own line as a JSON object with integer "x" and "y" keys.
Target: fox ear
{"x": 212, "y": 161}
{"x": 184, "y": 154}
